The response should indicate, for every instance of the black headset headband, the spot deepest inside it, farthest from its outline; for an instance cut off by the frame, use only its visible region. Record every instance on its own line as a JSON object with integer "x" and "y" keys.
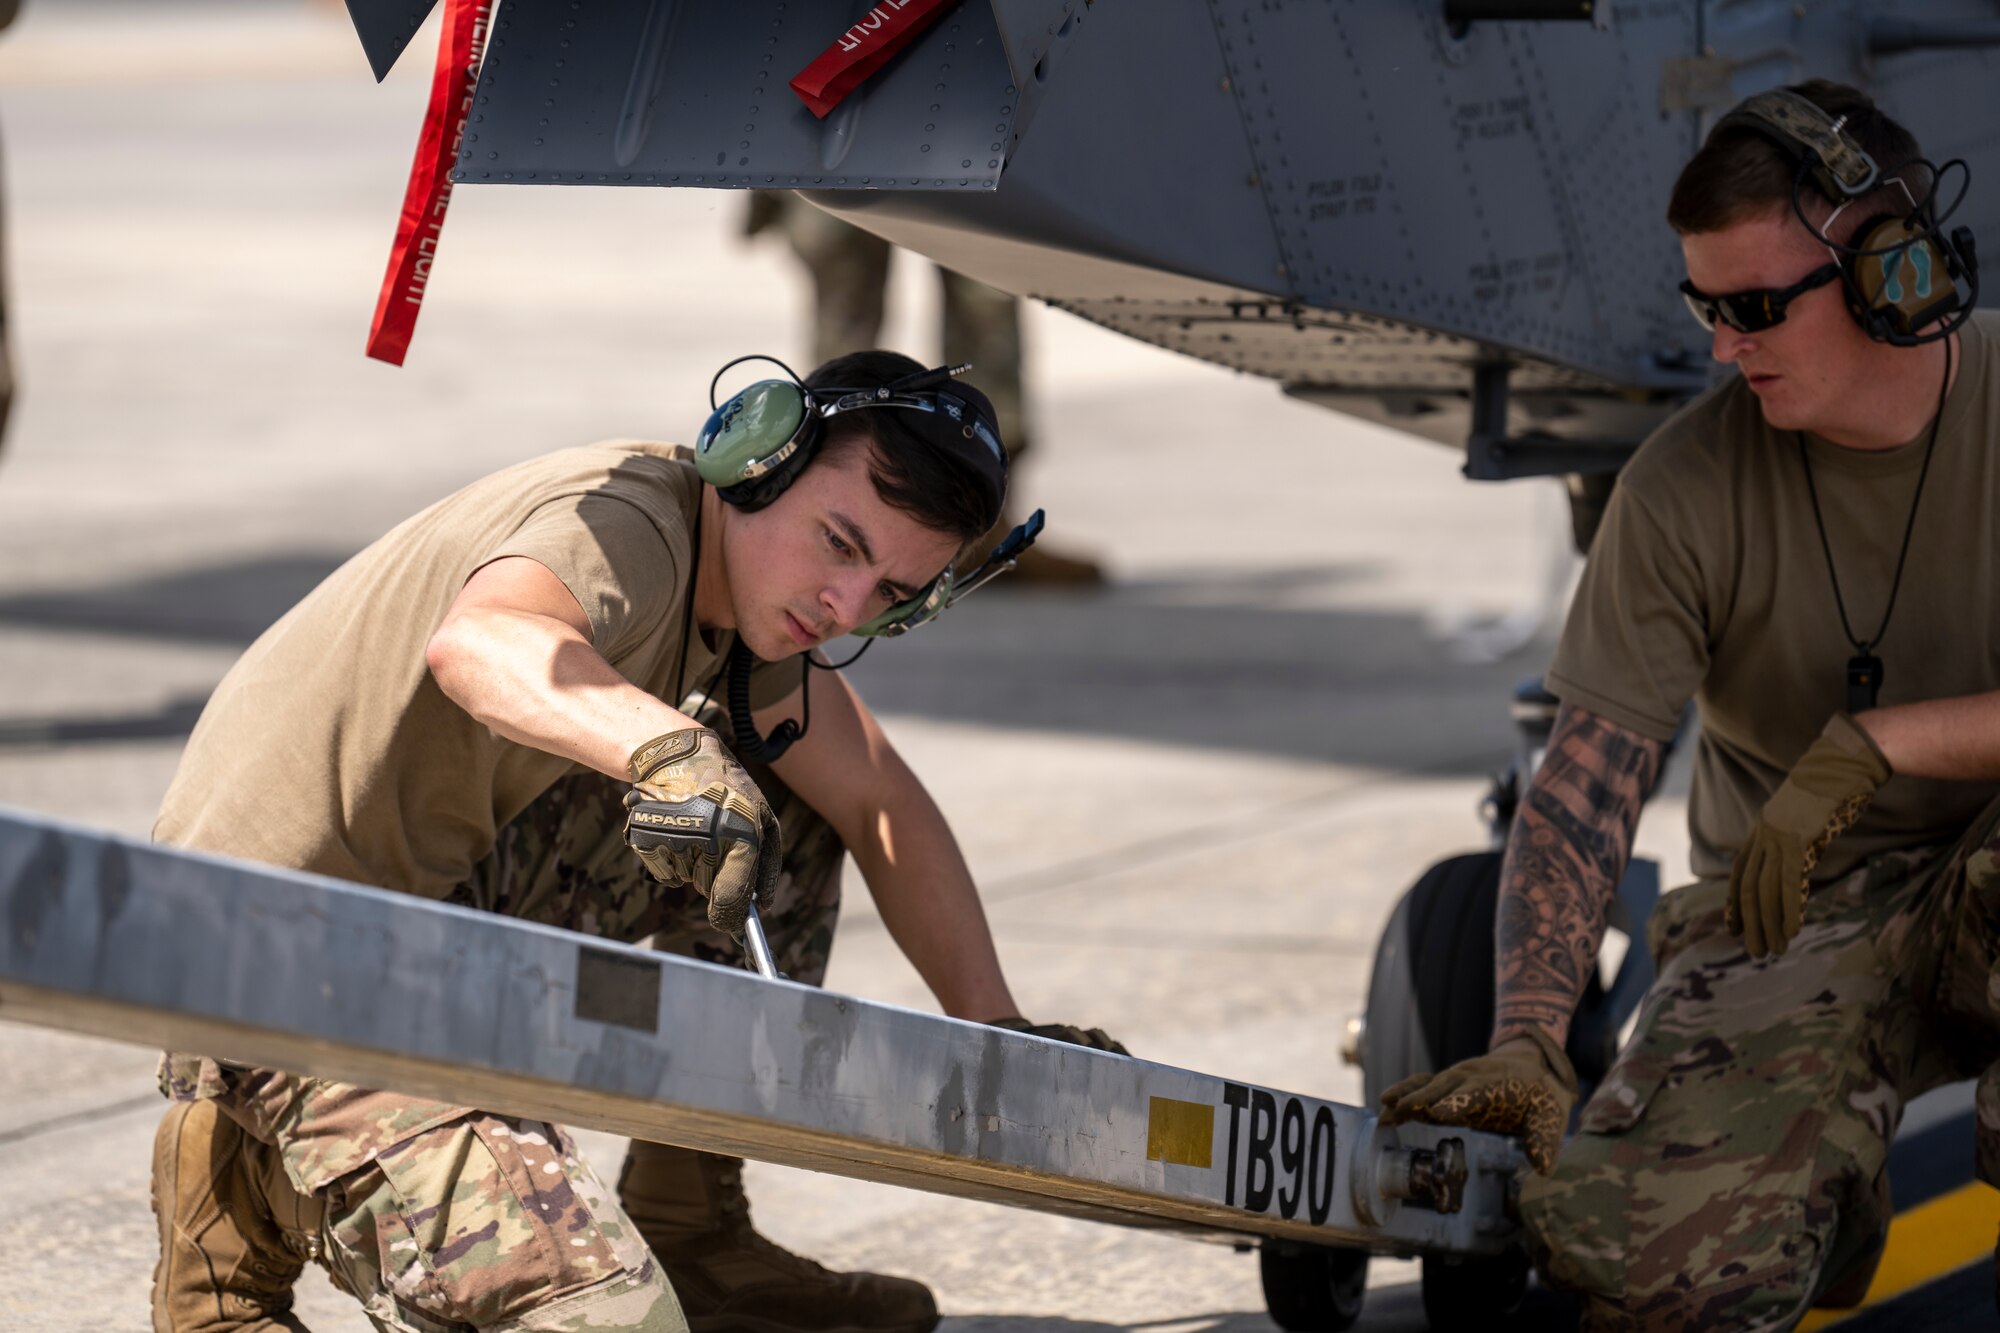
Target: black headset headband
{"x": 954, "y": 419}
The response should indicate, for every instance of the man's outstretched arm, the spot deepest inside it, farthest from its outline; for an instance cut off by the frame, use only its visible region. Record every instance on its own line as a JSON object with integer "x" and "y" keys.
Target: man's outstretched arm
{"x": 1569, "y": 845}
{"x": 1830, "y": 786}
{"x": 515, "y": 651}
{"x": 1955, "y": 739}
{"x": 1571, "y": 839}
{"x": 846, "y": 769}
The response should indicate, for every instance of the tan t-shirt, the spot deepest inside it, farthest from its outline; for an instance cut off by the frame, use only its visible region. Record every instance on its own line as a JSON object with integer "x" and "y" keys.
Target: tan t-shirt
{"x": 328, "y": 747}
{"x": 1707, "y": 580}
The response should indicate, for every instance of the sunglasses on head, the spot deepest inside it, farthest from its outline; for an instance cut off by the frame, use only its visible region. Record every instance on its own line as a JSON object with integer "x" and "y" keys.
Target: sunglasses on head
{"x": 1755, "y": 310}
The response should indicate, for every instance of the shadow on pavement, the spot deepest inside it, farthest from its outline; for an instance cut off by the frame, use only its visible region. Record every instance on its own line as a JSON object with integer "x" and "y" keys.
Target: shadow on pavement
{"x": 1232, "y": 662}
{"x": 1258, "y": 662}
{"x": 171, "y": 720}
{"x": 220, "y": 604}
{"x": 231, "y": 603}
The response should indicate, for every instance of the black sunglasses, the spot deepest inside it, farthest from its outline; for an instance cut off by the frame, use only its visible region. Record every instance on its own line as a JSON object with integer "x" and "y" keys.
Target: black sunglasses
{"x": 1756, "y": 310}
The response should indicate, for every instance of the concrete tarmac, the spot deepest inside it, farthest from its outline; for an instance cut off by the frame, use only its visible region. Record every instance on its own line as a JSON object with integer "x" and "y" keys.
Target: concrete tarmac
{"x": 1242, "y": 750}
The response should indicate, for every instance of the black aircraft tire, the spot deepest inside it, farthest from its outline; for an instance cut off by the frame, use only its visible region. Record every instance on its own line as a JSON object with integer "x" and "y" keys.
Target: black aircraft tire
{"x": 1429, "y": 1008}
{"x": 1313, "y": 1288}
{"x": 1454, "y": 971}
{"x": 1482, "y": 1292}
{"x": 1430, "y": 997}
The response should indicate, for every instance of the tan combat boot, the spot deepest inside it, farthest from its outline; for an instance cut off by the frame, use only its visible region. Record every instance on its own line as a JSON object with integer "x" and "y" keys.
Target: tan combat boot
{"x": 690, "y": 1208}
{"x": 225, "y": 1263}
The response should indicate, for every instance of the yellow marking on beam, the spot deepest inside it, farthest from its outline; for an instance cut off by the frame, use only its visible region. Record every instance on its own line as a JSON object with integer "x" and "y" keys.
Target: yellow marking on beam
{"x": 1936, "y": 1237}
{"x": 1182, "y": 1133}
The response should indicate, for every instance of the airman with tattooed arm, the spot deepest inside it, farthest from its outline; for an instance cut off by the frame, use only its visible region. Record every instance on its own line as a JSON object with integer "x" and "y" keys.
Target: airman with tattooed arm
{"x": 1811, "y": 554}
{"x": 1571, "y": 838}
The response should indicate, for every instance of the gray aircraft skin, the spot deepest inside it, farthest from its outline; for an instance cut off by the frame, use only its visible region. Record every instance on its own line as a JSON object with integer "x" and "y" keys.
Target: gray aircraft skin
{"x": 1398, "y": 208}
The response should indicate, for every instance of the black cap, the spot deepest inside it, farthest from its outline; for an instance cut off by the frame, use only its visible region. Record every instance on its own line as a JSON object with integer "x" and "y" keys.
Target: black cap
{"x": 967, "y": 427}
{"x": 951, "y": 415}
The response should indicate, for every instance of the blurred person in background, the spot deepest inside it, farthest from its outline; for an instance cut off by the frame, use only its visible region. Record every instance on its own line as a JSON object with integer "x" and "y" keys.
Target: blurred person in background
{"x": 980, "y": 325}
{"x": 9, "y": 11}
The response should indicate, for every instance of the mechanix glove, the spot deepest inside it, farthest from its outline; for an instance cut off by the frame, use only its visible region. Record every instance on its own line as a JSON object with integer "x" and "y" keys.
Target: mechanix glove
{"x": 695, "y": 817}
{"x": 1822, "y": 797}
{"x": 1524, "y": 1087}
{"x": 1094, "y": 1038}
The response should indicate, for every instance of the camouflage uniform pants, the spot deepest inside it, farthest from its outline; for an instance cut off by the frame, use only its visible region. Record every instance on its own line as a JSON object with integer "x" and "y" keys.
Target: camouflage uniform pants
{"x": 1731, "y": 1169}
{"x": 491, "y": 1223}
{"x": 459, "y": 1219}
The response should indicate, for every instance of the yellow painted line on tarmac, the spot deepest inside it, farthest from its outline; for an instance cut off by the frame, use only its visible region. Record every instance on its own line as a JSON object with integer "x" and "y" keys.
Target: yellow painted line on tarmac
{"x": 1936, "y": 1237}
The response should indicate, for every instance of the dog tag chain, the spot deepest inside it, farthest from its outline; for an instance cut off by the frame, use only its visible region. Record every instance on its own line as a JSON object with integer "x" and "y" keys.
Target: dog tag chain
{"x": 1864, "y": 669}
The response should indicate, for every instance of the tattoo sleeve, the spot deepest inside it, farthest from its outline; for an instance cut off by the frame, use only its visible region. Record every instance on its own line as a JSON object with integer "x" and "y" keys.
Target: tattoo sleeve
{"x": 1571, "y": 837}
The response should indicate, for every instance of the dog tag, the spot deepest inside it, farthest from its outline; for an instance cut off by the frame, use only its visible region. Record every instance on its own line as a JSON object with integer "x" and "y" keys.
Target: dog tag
{"x": 1864, "y": 682}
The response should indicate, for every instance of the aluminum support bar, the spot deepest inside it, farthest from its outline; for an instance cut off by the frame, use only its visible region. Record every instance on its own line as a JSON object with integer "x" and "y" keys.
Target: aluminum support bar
{"x": 271, "y": 967}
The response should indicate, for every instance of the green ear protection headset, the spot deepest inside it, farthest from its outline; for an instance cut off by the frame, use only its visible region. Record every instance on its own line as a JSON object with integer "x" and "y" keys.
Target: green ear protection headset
{"x": 758, "y": 442}
{"x": 755, "y": 445}
{"x": 1901, "y": 273}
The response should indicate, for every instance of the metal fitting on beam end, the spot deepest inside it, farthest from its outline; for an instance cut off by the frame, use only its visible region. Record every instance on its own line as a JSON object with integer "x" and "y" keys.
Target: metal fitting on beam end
{"x": 1387, "y": 1175}
{"x": 1433, "y": 1178}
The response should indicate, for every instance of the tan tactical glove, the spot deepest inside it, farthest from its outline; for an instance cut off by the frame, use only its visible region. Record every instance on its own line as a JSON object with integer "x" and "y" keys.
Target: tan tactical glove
{"x": 695, "y": 817}
{"x": 1822, "y": 797}
{"x": 1094, "y": 1038}
{"x": 1524, "y": 1086}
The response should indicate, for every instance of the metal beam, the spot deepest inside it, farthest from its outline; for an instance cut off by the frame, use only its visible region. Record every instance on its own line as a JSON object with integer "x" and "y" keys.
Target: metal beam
{"x": 271, "y": 967}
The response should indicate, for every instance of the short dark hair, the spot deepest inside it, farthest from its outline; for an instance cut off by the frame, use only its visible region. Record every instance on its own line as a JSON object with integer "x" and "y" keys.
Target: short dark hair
{"x": 910, "y": 473}
{"x": 1741, "y": 173}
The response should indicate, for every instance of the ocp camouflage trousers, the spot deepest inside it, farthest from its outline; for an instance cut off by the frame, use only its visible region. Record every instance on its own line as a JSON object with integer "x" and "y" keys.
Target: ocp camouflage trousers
{"x": 1731, "y": 1169}
{"x": 441, "y": 1217}
{"x": 491, "y": 1223}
